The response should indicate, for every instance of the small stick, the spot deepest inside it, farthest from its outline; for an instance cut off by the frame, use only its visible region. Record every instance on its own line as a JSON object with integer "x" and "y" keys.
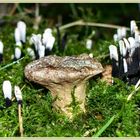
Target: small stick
{"x": 13, "y": 9}
{"x": 18, "y": 95}
{"x": 20, "y": 120}
{"x": 137, "y": 84}
{"x": 137, "y": 87}
{"x": 83, "y": 23}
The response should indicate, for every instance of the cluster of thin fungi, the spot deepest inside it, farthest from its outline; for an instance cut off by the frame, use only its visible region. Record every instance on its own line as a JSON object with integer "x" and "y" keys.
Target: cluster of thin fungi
{"x": 125, "y": 55}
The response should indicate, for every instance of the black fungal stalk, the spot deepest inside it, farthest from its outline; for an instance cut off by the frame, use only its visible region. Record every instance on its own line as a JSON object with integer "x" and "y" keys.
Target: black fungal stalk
{"x": 61, "y": 43}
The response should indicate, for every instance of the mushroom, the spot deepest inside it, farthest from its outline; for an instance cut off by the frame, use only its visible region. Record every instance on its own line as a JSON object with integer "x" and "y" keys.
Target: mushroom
{"x": 65, "y": 77}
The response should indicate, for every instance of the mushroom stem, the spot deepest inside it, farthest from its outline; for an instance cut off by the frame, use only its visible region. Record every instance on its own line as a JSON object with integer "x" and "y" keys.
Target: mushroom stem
{"x": 67, "y": 95}
{"x": 80, "y": 94}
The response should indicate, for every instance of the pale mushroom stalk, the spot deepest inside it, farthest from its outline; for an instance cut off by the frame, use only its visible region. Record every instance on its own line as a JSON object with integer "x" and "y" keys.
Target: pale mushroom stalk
{"x": 66, "y": 78}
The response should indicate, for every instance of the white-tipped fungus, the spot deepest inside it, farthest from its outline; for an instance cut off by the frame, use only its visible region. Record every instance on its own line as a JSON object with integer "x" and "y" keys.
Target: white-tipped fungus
{"x": 41, "y": 51}
{"x": 1, "y": 47}
{"x": 115, "y": 37}
{"x": 17, "y": 35}
{"x": 22, "y": 30}
{"x": 7, "y": 89}
{"x": 36, "y": 40}
{"x": 123, "y": 49}
{"x": 133, "y": 26}
{"x": 48, "y": 39}
{"x": 18, "y": 93}
{"x": 1, "y": 51}
{"x": 89, "y": 44}
{"x": 121, "y": 33}
{"x": 113, "y": 52}
{"x": 17, "y": 53}
{"x": 31, "y": 53}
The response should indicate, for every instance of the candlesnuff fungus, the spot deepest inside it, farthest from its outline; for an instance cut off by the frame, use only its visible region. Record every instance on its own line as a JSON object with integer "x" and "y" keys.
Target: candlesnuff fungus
{"x": 65, "y": 77}
{"x": 1, "y": 51}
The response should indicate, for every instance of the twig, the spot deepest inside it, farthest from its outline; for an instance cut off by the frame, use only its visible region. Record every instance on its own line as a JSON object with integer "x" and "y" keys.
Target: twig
{"x": 20, "y": 120}
{"x": 23, "y": 87}
{"x": 8, "y": 65}
{"x": 73, "y": 9}
{"x": 137, "y": 87}
{"x": 137, "y": 84}
{"x": 83, "y": 23}
{"x": 87, "y": 133}
{"x": 37, "y": 10}
{"x": 37, "y": 17}
{"x": 102, "y": 56}
{"x": 13, "y": 9}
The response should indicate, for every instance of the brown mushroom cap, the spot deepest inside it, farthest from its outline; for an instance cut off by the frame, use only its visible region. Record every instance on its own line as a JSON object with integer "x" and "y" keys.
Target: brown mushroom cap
{"x": 56, "y": 70}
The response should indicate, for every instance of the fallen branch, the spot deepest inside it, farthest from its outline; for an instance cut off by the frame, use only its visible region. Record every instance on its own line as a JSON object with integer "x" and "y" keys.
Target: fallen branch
{"x": 83, "y": 23}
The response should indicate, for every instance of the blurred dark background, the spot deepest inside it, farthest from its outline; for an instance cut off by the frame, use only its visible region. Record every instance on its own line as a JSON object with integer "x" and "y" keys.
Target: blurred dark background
{"x": 52, "y": 14}
{"x": 114, "y": 13}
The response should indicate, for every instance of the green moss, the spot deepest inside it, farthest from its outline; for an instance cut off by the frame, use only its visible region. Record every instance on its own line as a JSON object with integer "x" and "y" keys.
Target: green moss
{"x": 102, "y": 102}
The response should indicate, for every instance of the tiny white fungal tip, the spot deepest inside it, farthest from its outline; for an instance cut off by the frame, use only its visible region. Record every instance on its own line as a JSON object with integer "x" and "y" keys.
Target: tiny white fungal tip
{"x": 48, "y": 30}
{"x": 31, "y": 53}
{"x": 122, "y": 48}
{"x": 121, "y": 33}
{"x": 132, "y": 45}
{"x": 12, "y": 56}
{"x": 115, "y": 37}
{"x": 1, "y": 47}
{"x": 125, "y": 65}
{"x": 41, "y": 51}
{"x": 30, "y": 41}
{"x": 17, "y": 35}
{"x": 22, "y": 29}
{"x": 18, "y": 44}
{"x": 50, "y": 43}
{"x": 89, "y": 44}
{"x": 131, "y": 41}
{"x": 48, "y": 39}
{"x": 36, "y": 40}
{"x": 137, "y": 36}
{"x": 18, "y": 93}
{"x": 133, "y": 26}
{"x": 127, "y": 44}
{"x": 17, "y": 52}
{"x": 113, "y": 52}
{"x": 91, "y": 55}
{"x": 7, "y": 89}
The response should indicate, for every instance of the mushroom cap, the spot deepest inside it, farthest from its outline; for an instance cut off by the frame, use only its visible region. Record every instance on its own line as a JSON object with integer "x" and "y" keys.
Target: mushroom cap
{"x": 59, "y": 70}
